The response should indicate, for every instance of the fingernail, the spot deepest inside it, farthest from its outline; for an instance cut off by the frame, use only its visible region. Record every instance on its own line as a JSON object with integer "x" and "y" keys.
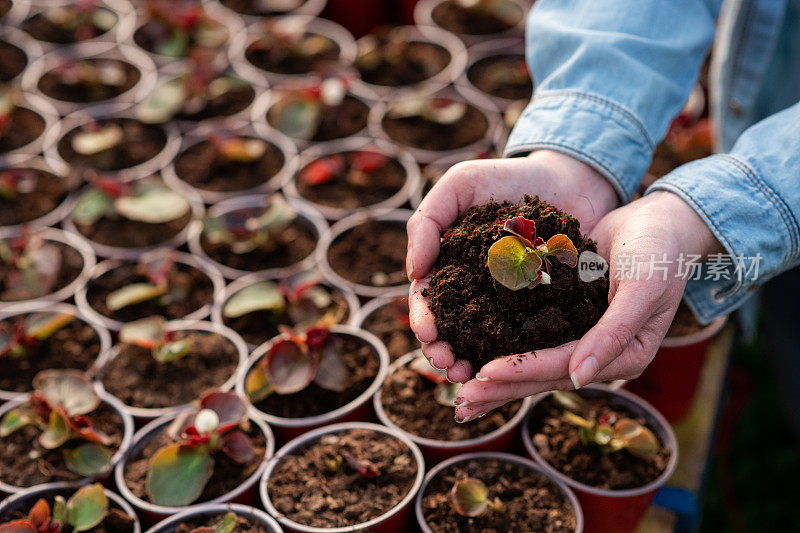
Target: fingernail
{"x": 409, "y": 263}
{"x": 460, "y": 402}
{"x": 585, "y": 372}
{"x": 463, "y": 420}
{"x": 434, "y": 366}
{"x": 481, "y": 378}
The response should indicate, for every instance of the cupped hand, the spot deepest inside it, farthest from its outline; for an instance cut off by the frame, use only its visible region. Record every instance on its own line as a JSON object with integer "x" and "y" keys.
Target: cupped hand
{"x": 556, "y": 178}
{"x": 644, "y": 241}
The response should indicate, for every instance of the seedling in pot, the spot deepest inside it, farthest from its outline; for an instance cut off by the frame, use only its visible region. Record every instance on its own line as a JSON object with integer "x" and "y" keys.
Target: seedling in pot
{"x": 244, "y": 230}
{"x": 92, "y": 76}
{"x": 363, "y": 163}
{"x": 503, "y": 10}
{"x": 59, "y": 406}
{"x": 294, "y": 362}
{"x": 165, "y": 283}
{"x": 523, "y": 260}
{"x": 236, "y": 148}
{"x": 175, "y": 26}
{"x": 290, "y": 38}
{"x": 100, "y": 143}
{"x": 336, "y": 464}
{"x": 32, "y": 267}
{"x": 607, "y": 432}
{"x": 84, "y": 510}
{"x": 151, "y": 202}
{"x": 298, "y": 113}
{"x": 179, "y": 472}
{"x": 445, "y": 391}
{"x": 85, "y": 19}
{"x": 470, "y": 497}
{"x": 151, "y": 333}
{"x": 15, "y": 182}
{"x": 434, "y": 109}
{"x": 374, "y": 52}
{"x": 226, "y": 525}
{"x": 30, "y": 332}
{"x": 301, "y": 297}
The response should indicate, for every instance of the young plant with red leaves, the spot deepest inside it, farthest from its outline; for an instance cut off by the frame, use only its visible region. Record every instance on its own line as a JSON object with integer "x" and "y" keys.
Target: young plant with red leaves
{"x": 336, "y": 463}
{"x": 438, "y": 110}
{"x": 59, "y": 406}
{"x": 245, "y": 230}
{"x": 151, "y": 333}
{"x": 165, "y": 283}
{"x": 354, "y": 168}
{"x": 32, "y": 266}
{"x": 523, "y": 260}
{"x": 175, "y": 25}
{"x": 179, "y": 472}
{"x": 24, "y": 337}
{"x": 85, "y": 19}
{"x": 607, "y": 432}
{"x": 445, "y": 392}
{"x": 84, "y": 510}
{"x": 470, "y": 497}
{"x": 294, "y": 362}
{"x": 298, "y": 113}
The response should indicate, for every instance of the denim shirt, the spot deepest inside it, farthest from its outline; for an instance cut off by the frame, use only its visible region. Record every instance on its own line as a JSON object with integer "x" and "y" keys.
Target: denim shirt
{"x": 611, "y": 74}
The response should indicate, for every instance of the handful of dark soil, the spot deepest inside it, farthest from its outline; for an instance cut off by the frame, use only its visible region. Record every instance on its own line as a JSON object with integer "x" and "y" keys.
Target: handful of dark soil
{"x": 483, "y": 320}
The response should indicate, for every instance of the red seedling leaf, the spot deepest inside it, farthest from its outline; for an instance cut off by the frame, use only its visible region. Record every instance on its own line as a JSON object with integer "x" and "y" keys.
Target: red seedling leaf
{"x": 291, "y": 367}
{"x": 112, "y": 187}
{"x": 157, "y": 268}
{"x": 229, "y": 406}
{"x": 562, "y": 248}
{"x": 194, "y": 438}
{"x": 322, "y": 170}
{"x": 238, "y": 447}
{"x": 39, "y": 514}
{"x": 316, "y": 337}
{"x": 17, "y": 526}
{"x": 368, "y": 161}
{"x": 524, "y": 229}
{"x": 363, "y": 467}
{"x": 82, "y": 426}
{"x": 332, "y": 372}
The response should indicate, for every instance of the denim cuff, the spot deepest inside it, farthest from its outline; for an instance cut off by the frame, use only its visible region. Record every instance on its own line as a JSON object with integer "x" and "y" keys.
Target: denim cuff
{"x": 591, "y": 128}
{"x": 748, "y": 218}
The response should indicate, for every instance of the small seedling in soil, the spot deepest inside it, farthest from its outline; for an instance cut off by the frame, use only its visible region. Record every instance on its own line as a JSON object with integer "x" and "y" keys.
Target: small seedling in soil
{"x": 151, "y": 333}
{"x": 502, "y": 10}
{"x": 15, "y": 182}
{"x": 607, "y": 432}
{"x": 333, "y": 167}
{"x": 516, "y": 261}
{"x": 9, "y": 97}
{"x": 301, "y": 297}
{"x": 82, "y": 18}
{"x": 164, "y": 285}
{"x": 445, "y": 392}
{"x": 92, "y": 76}
{"x": 32, "y": 267}
{"x": 238, "y": 149}
{"x": 175, "y": 26}
{"x": 335, "y": 465}
{"x": 470, "y": 497}
{"x": 84, "y": 510}
{"x": 290, "y": 38}
{"x": 438, "y": 110}
{"x": 245, "y": 230}
{"x": 298, "y": 113}
{"x": 144, "y": 201}
{"x": 30, "y": 332}
{"x": 226, "y": 525}
{"x": 295, "y": 361}
{"x": 178, "y": 472}
{"x": 59, "y": 406}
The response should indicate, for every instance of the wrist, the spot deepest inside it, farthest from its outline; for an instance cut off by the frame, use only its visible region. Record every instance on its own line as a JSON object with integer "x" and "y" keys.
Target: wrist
{"x": 690, "y": 231}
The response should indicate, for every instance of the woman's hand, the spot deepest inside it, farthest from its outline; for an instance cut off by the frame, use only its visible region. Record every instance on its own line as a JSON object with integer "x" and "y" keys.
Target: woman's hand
{"x": 557, "y": 178}
{"x": 643, "y": 241}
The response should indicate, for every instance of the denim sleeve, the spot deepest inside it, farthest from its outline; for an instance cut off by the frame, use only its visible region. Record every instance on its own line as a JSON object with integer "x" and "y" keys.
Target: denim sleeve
{"x": 750, "y": 198}
{"x": 610, "y": 75}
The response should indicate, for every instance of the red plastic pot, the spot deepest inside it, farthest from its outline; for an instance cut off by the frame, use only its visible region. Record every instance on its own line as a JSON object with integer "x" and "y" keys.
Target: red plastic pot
{"x": 253, "y": 515}
{"x": 398, "y": 519}
{"x": 507, "y": 457}
{"x": 671, "y": 380}
{"x": 358, "y": 410}
{"x": 358, "y": 16}
{"x": 503, "y": 439}
{"x": 613, "y": 511}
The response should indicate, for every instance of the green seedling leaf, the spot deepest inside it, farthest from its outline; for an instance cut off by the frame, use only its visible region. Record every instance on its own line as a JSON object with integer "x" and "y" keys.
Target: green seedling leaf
{"x": 36, "y": 274}
{"x": 579, "y": 421}
{"x": 298, "y": 117}
{"x": 445, "y": 393}
{"x": 60, "y": 510}
{"x": 153, "y": 204}
{"x": 88, "y": 460}
{"x": 172, "y": 351}
{"x": 603, "y": 433}
{"x": 178, "y": 474}
{"x": 16, "y": 419}
{"x": 227, "y": 524}
{"x": 87, "y": 508}
{"x": 211, "y": 35}
{"x": 94, "y": 142}
{"x": 91, "y": 207}
{"x": 277, "y": 215}
{"x": 469, "y": 497}
{"x": 513, "y": 265}
{"x": 146, "y": 332}
{"x": 257, "y": 385}
{"x": 70, "y": 389}
{"x": 636, "y": 438}
{"x": 134, "y": 294}
{"x": 57, "y": 431}
{"x": 40, "y": 326}
{"x": 163, "y": 104}
{"x": 176, "y": 45}
{"x": 562, "y": 248}
{"x": 260, "y": 296}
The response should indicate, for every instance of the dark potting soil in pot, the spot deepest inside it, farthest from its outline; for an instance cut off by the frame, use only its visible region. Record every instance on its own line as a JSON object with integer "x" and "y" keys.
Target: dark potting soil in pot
{"x": 487, "y": 75}
{"x": 684, "y": 323}
{"x": 224, "y": 105}
{"x": 199, "y": 291}
{"x": 291, "y": 246}
{"x": 124, "y": 233}
{"x": 116, "y": 521}
{"x": 361, "y": 361}
{"x": 558, "y": 442}
{"x": 48, "y": 193}
{"x": 254, "y": 7}
{"x": 264, "y": 55}
{"x": 483, "y": 320}
{"x": 136, "y": 378}
{"x": 533, "y": 502}
{"x": 452, "y": 17}
{"x": 338, "y": 122}
{"x": 409, "y": 402}
{"x": 71, "y": 267}
{"x": 372, "y": 253}
{"x": 260, "y": 326}
{"x": 25, "y": 127}
{"x": 41, "y": 29}
{"x": 392, "y": 327}
{"x": 76, "y": 345}
{"x": 352, "y": 191}
{"x": 304, "y": 490}
{"x": 140, "y": 143}
{"x": 228, "y": 475}
{"x": 18, "y": 469}
{"x": 420, "y": 133}
{"x": 203, "y": 167}
{"x": 244, "y": 524}
{"x": 419, "y": 61}
{"x": 12, "y": 61}
{"x": 52, "y": 85}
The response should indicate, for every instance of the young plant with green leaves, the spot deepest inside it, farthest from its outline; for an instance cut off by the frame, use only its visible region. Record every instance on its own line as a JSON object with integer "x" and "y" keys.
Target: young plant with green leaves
{"x": 59, "y": 407}
{"x": 298, "y": 113}
{"x": 445, "y": 392}
{"x": 522, "y": 259}
{"x": 295, "y": 361}
{"x": 178, "y": 472}
{"x": 354, "y": 168}
{"x": 31, "y": 267}
{"x": 435, "y": 109}
{"x": 146, "y": 201}
{"x": 175, "y": 26}
{"x": 165, "y": 283}
{"x": 151, "y": 333}
{"x": 85, "y": 19}
{"x": 24, "y": 337}
{"x": 84, "y": 510}
{"x": 470, "y": 497}
{"x": 244, "y": 230}
{"x": 503, "y": 10}
{"x": 226, "y": 525}
{"x": 300, "y": 297}
{"x": 605, "y": 431}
